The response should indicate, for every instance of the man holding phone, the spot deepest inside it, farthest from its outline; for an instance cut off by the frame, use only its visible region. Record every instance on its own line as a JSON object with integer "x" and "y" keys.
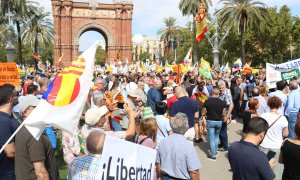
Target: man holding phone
{"x": 246, "y": 160}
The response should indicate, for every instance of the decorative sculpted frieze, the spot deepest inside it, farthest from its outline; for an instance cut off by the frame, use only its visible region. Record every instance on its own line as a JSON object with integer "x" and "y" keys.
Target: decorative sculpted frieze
{"x": 94, "y": 13}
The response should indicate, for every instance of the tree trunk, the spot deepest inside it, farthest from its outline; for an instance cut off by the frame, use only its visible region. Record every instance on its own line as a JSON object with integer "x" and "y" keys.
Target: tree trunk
{"x": 36, "y": 44}
{"x": 195, "y": 51}
{"x": 243, "y": 56}
{"x": 20, "y": 58}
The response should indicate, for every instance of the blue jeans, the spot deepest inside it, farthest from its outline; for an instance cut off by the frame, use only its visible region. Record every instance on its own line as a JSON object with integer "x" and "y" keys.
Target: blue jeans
{"x": 213, "y": 129}
{"x": 8, "y": 176}
{"x": 292, "y": 119}
{"x": 167, "y": 177}
{"x": 223, "y": 136}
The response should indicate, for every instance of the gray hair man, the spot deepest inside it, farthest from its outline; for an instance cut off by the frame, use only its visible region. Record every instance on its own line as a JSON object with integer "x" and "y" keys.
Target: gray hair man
{"x": 186, "y": 165}
{"x": 88, "y": 167}
{"x": 225, "y": 95}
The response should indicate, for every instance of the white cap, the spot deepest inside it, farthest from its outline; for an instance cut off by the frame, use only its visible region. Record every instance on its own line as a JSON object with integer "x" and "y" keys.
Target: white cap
{"x": 92, "y": 116}
{"x": 26, "y": 101}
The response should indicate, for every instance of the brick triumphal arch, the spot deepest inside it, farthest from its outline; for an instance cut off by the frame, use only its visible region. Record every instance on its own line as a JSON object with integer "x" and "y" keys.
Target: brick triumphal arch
{"x": 72, "y": 19}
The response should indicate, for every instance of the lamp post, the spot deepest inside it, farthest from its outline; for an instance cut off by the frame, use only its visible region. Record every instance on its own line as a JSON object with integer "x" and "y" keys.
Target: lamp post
{"x": 216, "y": 42}
{"x": 137, "y": 40}
{"x": 10, "y": 49}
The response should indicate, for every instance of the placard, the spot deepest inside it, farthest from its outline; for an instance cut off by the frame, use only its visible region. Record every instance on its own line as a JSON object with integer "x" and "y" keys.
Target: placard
{"x": 9, "y": 74}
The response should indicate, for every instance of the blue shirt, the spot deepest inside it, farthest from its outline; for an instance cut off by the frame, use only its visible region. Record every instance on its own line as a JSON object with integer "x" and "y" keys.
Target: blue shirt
{"x": 293, "y": 102}
{"x": 187, "y": 106}
{"x": 153, "y": 96}
{"x": 177, "y": 156}
{"x": 7, "y": 127}
{"x": 164, "y": 127}
{"x": 85, "y": 168}
{"x": 248, "y": 162}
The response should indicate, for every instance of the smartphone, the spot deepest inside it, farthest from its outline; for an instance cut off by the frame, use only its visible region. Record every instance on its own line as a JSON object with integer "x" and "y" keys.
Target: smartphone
{"x": 270, "y": 155}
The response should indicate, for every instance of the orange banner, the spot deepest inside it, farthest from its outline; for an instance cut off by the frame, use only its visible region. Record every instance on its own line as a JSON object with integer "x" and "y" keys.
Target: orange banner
{"x": 9, "y": 74}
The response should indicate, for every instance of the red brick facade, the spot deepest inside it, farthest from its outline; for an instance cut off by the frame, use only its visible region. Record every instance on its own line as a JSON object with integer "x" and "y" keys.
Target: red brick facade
{"x": 72, "y": 19}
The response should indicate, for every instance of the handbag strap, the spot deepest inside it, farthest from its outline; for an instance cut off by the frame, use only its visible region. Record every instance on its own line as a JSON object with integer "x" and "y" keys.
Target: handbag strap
{"x": 275, "y": 121}
{"x": 161, "y": 131}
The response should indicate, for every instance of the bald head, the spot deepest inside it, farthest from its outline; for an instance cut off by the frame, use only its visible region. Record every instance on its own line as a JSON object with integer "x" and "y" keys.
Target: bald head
{"x": 293, "y": 85}
{"x": 95, "y": 142}
{"x": 255, "y": 92}
{"x": 180, "y": 91}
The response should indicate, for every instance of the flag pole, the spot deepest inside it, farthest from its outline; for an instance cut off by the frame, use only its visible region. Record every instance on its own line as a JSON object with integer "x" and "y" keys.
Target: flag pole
{"x": 12, "y": 136}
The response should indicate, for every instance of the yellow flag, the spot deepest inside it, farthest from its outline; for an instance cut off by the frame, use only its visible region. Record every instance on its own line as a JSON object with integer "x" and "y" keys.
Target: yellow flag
{"x": 205, "y": 65}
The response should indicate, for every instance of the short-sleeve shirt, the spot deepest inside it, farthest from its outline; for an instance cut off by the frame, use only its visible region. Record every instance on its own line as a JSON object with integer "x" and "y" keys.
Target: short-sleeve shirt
{"x": 177, "y": 156}
{"x": 7, "y": 127}
{"x": 273, "y": 138}
{"x": 214, "y": 108}
{"x": 226, "y": 96}
{"x": 248, "y": 162}
{"x": 85, "y": 167}
{"x": 164, "y": 127}
{"x": 291, "y": 157}
{"x": 187, "y": 106}
{"x": 30, "y": 150}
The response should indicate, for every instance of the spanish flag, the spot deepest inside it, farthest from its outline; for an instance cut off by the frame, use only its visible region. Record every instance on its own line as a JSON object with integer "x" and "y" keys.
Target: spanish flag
{"x": 201, "y": 20}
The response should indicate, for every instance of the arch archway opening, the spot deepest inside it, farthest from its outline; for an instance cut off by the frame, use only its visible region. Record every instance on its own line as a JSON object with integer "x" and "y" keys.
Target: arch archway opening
{"x": 89, "y": 37}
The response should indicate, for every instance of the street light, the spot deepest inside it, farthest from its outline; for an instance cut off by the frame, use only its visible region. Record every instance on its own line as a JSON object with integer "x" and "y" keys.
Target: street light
{"x": 10, "y": 49}
{"x": 137, "y": 40}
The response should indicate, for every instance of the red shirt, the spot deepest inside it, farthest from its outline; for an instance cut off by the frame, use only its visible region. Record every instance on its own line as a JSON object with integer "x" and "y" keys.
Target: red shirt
{"x": 171, "y": 101}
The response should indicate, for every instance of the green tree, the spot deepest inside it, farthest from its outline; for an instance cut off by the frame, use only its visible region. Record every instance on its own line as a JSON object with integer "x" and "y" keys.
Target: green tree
{"x": 243, "y": 14}
{"x": 169, "y": 34}
{"x": 18, "y": 12}
{"x": 39, "y": 31}
{"x": 100, "y": 56}
{"x": 191, "y": 7}
{"x": 144, "y": 56}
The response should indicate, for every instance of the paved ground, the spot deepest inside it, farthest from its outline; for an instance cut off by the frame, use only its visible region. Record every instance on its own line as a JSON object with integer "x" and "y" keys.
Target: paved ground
{"x": 217, "y": 170}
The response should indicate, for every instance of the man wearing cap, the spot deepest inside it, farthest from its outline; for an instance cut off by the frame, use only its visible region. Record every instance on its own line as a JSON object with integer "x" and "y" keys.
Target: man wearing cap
{"x": 133, "y": 100}
{"x": 95, "y": 119}
{"x": 8, "y": 99}
{"x": 35, "y": 158}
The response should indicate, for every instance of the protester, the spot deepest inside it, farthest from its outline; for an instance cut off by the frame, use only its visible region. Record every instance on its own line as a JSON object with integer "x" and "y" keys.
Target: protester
{"x": 263, "y": 106}
{"x": 225, "y": 95}
{"x": 154, "y": 96}
{"x": 215, "y": 109}
{"x": 8, "y": 99}
{"x": 290, "y": 156}
{"x": 36, "y": 159}
{"x": 246, "y": 160}
{"x": 186, "y": 165}
{"x": 187, "y": 106}
{"x": 163, "y": 125}
{"x": 250, "y": 113}
{"x": 96, "y": 118}
{"x": 89, "y": 166}
{"x": 99, "y": 86}
{"x": 280, "y": 86}
{"x": 147, "y": 133}
{"x": 278, "y": 130}
{"x": 293, "y": 106}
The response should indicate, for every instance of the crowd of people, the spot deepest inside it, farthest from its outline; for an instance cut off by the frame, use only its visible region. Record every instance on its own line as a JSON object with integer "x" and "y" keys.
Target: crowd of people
{"x": 164, "y": 112}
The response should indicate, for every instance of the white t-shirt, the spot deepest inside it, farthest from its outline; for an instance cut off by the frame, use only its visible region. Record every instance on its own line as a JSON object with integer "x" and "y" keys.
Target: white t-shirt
{"x": 273, "y": 138}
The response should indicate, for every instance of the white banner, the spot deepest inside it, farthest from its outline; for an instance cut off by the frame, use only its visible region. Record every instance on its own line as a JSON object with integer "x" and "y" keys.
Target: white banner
{"x": 284, "y": 71}
{"x": 125, "y": 160}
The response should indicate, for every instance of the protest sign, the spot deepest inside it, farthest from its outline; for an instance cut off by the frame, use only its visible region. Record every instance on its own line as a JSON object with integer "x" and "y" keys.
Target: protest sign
{"x": 9, "y": 74}
{"x": 125, "y": 160}
{"x": 284, "y": 71}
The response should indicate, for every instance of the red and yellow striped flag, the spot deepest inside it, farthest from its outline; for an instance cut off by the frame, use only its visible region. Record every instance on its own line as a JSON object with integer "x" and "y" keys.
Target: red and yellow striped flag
{"x": 201, "y": 20}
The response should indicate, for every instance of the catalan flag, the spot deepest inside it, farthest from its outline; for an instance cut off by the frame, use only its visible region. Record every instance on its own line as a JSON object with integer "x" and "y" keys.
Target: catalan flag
{"x": 201, "y": 20}
{"x": 61, "y": 105}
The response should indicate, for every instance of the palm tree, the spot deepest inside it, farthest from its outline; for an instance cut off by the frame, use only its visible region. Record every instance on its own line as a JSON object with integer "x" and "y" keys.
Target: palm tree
{"x": 40, "y": 30}
{"x": 243, "y": 14}
{"x": 169, "y": 34}
{"x": 191, "y": 7}
{"x": 18, "y": 11}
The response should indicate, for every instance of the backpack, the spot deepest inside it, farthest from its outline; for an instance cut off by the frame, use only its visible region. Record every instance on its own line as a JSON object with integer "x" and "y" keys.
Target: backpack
{"x": 249, "y": 89}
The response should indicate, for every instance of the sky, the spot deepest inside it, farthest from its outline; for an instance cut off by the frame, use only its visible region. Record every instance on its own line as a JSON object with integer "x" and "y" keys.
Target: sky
{"x": 154, "y": 11}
